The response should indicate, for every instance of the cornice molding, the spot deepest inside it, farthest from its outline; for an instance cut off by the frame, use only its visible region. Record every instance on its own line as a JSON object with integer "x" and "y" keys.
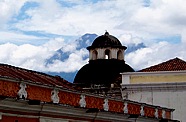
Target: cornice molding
{"x": 52, "y": 111}
{"x": 182, "y": 72}
{"x": 179, "y": 86}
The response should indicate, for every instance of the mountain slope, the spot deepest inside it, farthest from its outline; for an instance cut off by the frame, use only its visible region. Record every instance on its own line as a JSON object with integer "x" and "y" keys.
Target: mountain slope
{"x": 63, "y": 55}
{"x": 80, "y": 45}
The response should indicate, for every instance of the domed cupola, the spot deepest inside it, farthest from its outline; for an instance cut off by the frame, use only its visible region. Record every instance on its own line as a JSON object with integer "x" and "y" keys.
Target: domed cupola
{"x": 106, "y": 47}
{"x": 106, "y": 40}
{"x": 106, "y": 62}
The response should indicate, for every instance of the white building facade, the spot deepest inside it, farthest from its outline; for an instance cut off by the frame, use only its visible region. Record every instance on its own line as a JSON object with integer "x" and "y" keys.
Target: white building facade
{"x": 163, "y": 88}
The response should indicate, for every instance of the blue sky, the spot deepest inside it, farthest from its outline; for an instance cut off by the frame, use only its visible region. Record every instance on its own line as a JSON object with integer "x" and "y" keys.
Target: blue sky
{"x": 32, "y": 30}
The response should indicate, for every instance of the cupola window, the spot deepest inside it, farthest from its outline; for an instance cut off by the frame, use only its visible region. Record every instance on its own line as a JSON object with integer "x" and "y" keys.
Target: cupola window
{"x": 94, "y": 55}
{"x": 107, "y": 54}
{"x": 120, "y": 55}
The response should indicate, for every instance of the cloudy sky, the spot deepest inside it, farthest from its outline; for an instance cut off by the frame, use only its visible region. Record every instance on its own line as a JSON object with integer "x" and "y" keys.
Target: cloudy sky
{"x": 32, "y": 30}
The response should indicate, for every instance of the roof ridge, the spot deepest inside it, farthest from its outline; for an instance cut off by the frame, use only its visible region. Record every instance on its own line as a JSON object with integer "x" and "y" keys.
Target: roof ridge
{"x": 32, "y": 71}
{"x": 170, "y": 60}
{"x": 161, "y": 66}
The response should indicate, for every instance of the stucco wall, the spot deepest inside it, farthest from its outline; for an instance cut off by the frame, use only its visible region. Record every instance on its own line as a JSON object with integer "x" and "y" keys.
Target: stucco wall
{"x": 166, "y": 88}
{"x": 157, "y": 79}
{"x": 171, "y": 99}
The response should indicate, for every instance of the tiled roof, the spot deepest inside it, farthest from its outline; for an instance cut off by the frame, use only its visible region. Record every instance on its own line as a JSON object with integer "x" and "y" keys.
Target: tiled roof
{"x": 20, "y": 74}
{"x": 175, "y": 64}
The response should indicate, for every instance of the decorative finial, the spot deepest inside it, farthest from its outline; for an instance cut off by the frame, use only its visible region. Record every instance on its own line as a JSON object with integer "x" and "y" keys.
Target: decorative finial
{"x": 106, "y": 33}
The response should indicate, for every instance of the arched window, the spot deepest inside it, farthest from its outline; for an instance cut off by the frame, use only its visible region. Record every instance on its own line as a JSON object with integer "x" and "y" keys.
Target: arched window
{"x": 107, "y": 54}
{"x": 94, "y": 55}
{"x": 119, "y": 55}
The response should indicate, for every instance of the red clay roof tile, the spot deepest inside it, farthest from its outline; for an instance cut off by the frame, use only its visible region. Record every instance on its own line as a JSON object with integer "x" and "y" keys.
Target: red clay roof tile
{"x": 32, "y": 76}
{"x": 175, "y": 64}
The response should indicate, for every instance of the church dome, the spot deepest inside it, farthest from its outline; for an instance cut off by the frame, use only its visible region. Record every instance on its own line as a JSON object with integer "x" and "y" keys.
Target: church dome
{"x": 106, "y": 62}
{"x": 103, "y": 72}
{"x": 106, "y": 40}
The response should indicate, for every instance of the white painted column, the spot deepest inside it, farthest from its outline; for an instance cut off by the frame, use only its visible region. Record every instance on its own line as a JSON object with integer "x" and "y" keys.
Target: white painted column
{"x": 101, "y": 54}
{"x": 114, "y": 53}
{"x": 125, "y": 79}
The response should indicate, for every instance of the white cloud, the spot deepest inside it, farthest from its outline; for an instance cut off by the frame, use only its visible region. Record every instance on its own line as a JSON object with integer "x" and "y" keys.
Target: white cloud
{"x": 60, "y": 43}
{"x": 154, "y": 54}
{"x": 6, "y": 52}
{"x": 34, "y": 57}
{"x": 78, "y": 19}
{"x": 162, "y": 17}
{"x": 128, "y": 20}
{"x": 73, "y": 63}
{"x": 118, "y": 17}
{"x": 23, "y": 54}
{"x": 128, "y": 38}
{"x": 8, "y": 9}
{"x": 17, "y": 37}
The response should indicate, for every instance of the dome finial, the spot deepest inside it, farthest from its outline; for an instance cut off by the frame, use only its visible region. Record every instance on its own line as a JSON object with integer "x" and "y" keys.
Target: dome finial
{"x": 106, "y": 33}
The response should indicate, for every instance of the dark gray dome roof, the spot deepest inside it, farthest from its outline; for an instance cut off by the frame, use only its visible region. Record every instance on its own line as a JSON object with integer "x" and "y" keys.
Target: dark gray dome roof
{"x": 102, "y": 72}
{"x": 106, "y": 40}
